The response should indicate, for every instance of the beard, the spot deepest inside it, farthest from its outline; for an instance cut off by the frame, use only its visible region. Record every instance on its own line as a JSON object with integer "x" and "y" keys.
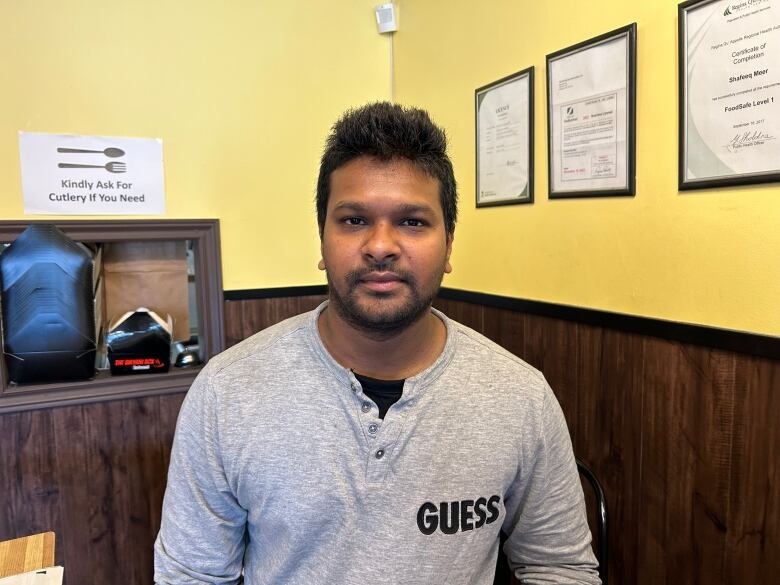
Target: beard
{"x": 381, "y": 313}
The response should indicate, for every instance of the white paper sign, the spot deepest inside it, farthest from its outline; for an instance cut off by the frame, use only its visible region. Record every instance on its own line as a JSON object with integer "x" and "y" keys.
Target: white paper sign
{"x": 91, "y": 175}
{"x": 48, "y": 576}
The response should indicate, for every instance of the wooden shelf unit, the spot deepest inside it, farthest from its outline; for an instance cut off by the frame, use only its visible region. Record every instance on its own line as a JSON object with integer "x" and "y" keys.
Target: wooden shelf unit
{"x": 204, "y": 233}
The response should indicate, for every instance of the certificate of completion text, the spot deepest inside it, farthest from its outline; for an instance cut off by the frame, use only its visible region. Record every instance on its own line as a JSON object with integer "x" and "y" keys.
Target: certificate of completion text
{"x": 732, "y": 76}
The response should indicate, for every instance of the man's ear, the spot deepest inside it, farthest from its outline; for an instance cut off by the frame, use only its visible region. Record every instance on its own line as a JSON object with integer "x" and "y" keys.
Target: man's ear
{"x": 321, "y": 263}
{"x": 447, "y": 265}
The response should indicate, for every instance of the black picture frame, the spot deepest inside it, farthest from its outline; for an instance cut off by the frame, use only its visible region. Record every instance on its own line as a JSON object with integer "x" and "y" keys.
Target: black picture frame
{"x": 724, "y": 180}
{"x": 528, "y": 195}
{"x": 630, "y": 33}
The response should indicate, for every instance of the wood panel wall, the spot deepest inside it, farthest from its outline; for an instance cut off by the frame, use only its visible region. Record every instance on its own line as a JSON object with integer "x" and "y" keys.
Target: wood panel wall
{"x": 685, "y": 439}
{"x": 244, "y": 318}
{"x": 95, "y": 475}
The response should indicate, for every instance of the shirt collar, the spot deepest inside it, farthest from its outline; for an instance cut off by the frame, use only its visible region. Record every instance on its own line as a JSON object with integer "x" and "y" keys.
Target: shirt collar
{"x": 420, "y": 380}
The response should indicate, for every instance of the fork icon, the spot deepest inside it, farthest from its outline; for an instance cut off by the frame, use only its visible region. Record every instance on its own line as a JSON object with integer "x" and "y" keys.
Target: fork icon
{"x": 112, "y": 167}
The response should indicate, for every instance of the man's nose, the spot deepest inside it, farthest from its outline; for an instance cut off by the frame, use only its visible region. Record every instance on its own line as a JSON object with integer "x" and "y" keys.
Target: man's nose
{"x": 381, "y": 243}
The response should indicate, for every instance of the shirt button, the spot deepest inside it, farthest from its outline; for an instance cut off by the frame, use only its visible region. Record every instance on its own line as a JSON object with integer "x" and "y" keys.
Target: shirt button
{"x": 354, "y": 387}
{"x": 373, "y": 428}
{"x": 365, "y": 407}
{"x": 379, "y": 453}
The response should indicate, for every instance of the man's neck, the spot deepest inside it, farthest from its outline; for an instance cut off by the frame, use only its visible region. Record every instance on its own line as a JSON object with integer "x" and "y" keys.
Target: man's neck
{"x": 396, "y": 356}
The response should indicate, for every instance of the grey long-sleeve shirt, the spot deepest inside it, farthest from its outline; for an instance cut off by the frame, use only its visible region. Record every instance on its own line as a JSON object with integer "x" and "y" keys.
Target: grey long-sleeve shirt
{"x": 281, "y": 468}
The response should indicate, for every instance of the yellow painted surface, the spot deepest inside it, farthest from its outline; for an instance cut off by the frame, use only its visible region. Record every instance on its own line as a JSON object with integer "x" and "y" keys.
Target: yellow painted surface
{"x": 241, "y": 92}
{"x": 709, "y": 257}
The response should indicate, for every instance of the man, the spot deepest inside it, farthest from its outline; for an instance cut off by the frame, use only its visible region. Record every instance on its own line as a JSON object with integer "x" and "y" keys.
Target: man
{"x": 373, "y": 440}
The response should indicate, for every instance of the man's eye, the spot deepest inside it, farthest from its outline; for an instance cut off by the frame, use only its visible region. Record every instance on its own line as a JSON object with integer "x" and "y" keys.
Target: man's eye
{"x": 411, "y": 222}
{"x": 354, "y": 221}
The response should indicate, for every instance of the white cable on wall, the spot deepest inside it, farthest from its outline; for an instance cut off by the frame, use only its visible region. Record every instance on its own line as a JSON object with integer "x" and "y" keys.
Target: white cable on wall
{"x": 392, "y": 67}
{"x": 387, "y": 23}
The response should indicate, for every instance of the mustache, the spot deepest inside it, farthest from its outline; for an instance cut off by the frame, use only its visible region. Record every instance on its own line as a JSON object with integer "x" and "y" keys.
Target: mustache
{"x": 353, "y": 277}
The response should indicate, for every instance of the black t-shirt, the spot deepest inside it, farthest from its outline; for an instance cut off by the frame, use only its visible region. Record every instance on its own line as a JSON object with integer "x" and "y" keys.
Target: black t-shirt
{"x": 384, "y": 393}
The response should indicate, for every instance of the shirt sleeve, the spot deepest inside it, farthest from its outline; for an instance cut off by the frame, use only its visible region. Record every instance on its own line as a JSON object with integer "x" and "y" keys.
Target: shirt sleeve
{"x": 548, "y": 538}
{"x": 202, "y": 535}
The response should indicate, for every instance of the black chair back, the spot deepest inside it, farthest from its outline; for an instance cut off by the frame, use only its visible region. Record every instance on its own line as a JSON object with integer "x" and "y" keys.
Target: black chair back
{"x": 602, "y": 544}
{"x": 503, "y": 576}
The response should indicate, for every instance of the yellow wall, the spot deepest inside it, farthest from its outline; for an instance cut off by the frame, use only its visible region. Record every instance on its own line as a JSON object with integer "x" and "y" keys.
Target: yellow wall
{"x": 709, "y": 257}
{"x": 241, "y": 92}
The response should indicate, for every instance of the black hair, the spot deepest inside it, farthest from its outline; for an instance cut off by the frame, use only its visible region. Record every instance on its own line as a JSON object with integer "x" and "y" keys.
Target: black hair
{"x": 388, "y": 131}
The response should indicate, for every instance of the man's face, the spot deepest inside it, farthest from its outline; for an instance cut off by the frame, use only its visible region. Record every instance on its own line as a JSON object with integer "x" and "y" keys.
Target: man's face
{"x": 384, "y": 245}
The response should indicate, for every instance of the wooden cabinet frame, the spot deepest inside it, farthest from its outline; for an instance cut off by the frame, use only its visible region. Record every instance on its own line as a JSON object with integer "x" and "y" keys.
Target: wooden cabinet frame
{"x": 204, "y": 234}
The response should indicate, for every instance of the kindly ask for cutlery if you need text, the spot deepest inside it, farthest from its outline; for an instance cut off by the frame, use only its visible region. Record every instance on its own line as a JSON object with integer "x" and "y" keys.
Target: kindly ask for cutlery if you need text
{"x": 112, "y": 192}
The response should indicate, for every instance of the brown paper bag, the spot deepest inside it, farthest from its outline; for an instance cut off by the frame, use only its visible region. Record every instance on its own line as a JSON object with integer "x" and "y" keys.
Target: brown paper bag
{"x": 151, "y": 275}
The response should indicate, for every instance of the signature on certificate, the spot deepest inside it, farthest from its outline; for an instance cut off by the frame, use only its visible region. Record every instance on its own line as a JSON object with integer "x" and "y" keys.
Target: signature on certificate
{"x": 748, "y": 139}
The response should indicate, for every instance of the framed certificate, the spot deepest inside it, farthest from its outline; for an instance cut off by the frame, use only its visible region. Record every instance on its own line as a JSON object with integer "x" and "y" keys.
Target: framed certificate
{"x": 729, "y": 88}
{"x": 591, "y": 117}
{"x": 504, "y": 114}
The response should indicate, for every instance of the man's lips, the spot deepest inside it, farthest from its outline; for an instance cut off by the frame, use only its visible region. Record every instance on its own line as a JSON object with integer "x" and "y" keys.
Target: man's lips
{"x": 381, "y": 281}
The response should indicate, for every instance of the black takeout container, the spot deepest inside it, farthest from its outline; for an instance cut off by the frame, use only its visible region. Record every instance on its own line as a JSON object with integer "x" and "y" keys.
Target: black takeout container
{"x": 139, "y": 342}
{"x": 48, "y": 307}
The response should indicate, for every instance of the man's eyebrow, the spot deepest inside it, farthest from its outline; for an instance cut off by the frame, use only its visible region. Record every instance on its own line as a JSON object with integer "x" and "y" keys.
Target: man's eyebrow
{"x": 404, "y": 208}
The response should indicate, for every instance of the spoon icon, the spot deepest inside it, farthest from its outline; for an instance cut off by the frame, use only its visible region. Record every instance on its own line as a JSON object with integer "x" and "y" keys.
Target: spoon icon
{"x": 109, "y": 152}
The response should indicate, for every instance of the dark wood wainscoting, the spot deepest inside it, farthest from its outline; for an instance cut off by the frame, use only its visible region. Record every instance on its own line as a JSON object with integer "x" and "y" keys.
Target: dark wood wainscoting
{"x": 95, "y": 474}
{"x": 246, "y": 317}
{"x": 685, "y": 439}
